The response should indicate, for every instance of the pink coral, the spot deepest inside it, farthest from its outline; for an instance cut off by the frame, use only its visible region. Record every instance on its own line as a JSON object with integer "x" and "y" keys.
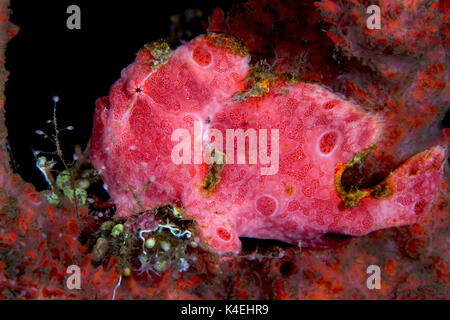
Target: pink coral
{"x": 318, "y": 132}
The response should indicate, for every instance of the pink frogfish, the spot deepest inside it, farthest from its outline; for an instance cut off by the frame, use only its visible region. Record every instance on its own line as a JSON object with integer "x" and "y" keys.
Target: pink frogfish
{"x": 260, "y": 160}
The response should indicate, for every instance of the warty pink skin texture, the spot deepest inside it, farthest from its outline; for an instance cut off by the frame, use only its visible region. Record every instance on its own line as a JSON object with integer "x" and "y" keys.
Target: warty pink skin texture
{"x": 131, "y": 147}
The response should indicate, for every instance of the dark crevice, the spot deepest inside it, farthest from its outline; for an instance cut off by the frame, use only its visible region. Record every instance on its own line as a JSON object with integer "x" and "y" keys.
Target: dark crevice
{"x": 252, "y": 244}
{"x": 288, "y": 268}
{"x": 446, "y": 121}
{"x": 334, "y": 239}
